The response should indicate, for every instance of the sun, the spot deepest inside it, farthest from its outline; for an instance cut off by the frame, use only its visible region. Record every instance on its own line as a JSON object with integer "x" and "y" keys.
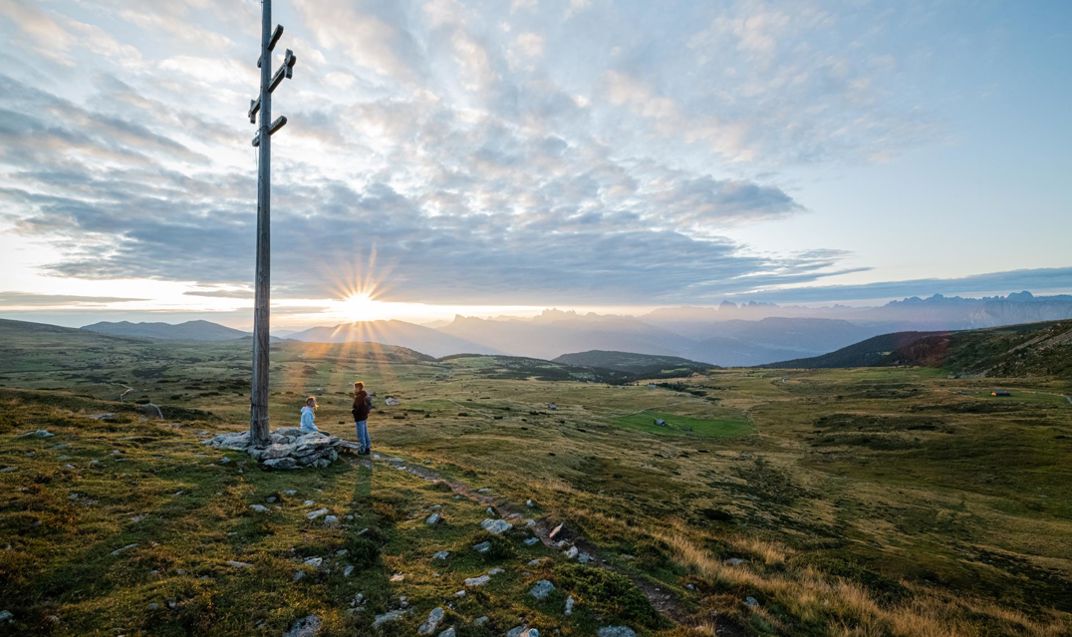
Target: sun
{"x": 360, "y": 306}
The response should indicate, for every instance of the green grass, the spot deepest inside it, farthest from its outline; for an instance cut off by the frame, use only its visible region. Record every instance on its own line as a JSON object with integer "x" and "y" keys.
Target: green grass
{"x": 863, "y": 502}
{"x": 675, "y": 425}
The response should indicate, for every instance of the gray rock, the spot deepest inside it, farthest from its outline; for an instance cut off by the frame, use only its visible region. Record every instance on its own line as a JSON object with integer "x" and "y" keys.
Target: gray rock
{"x": 482, "y": 548}
{"x": 478, "y": 581}
{"x": 331, "y": 520}
{"x": 496, "y": 527}
{"x": 232, "y": 441}
{"x": 237, "y": 564}
{"x": 290, "y": 492}
{"x": 5, "y": 616}
{"x": 615, "y": 631}
{"x": 123, "y": 549}
{"x": 569, "y": 605}
{"x": 530, "y": 503}
{"x": 480, "y": 621}
{"x": 448, "y": 632}
{"x": 522, "y": 631}
{"x": 541, "y": 589}
{"x": 433, "y": 519}
{"x": 440, "y": 555}
{"x": 532, "y": 541}
{"x": 308, "y": 503}
{"x": 308, "y": 626}
{"x": 572, "y": 553}
{"x": 496, "y": 571}
{"x": 734, "y": 561}
{"x": 298, "y": 576}
{"x": 281, "y": 464}
{"x": 259, "y": 508}
{"x": 315, "y": 562}
{"x": 430, "y": 624}
{"x": 312, "y": 515}
{"x": 389, "y": 616}
{"x": 751, "y": 602}
{"x": 348, "y": 570}
{"x": 39, "y": 433}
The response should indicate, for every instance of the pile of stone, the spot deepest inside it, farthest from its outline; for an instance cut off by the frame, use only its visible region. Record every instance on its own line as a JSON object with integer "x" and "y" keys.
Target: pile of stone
{"x": 289, "y": 448}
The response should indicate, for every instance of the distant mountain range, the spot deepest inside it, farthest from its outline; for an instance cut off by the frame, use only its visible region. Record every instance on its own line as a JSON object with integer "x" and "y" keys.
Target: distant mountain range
{"x": 417, "y": 337}
{"x": 1033, "y": 349}
{"x": 188, "y": 331}
{"x": 727, "y": 335}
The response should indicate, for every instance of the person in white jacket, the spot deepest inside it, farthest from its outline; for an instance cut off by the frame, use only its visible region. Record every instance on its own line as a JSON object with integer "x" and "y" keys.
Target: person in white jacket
{"x": 308, "y": 416}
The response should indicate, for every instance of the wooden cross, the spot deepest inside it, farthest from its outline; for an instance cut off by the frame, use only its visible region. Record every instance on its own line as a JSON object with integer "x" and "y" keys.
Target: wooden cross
{"x": 262, "y": 107}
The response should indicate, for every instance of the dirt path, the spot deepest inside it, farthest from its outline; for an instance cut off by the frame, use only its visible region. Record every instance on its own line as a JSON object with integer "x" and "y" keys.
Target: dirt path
{"x": 665, "y": 602}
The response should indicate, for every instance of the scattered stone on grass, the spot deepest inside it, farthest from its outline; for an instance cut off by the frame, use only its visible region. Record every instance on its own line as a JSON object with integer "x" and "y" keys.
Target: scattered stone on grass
{"x": 541, "y": 589}
{"x": 430, "y": 624}
{"x": 388, "y": 617}
{"x": 532, "y": 541}
{"x": 496, "y": 527}
{"x": 522, "y": 631}
{"x": 39, "y": 433}
{"x": 237, "y": 564}
{"x": 312, "y": 515}
{"x": 398, "y": 577}
{"x": 448, "y": 632}
{"x": 259, "y": 508}
{"x": 734, "y": 561}
{"x": 572, "y": 553}
{"x": 348, "y": 570}
{"x": 478, "y": 581}
{"x": 480, "y": 621}
{"x": 751, "y": 602}
{"x": 330, "y": 520}
{"x": 441, "y": 555}
{"x": 569, "y": 605}
{"x": 433, "y": 519}
{"x": 308, "y": 626}
{"x": 123, "y": 549}
{"x": 615, "y": 631}
{"x": 482, "y": 548}
{"x": 315, "y": 562}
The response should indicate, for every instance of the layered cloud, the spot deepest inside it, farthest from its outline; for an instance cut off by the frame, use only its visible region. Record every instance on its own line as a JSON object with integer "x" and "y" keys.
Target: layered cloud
{"x": 551, "y": 152}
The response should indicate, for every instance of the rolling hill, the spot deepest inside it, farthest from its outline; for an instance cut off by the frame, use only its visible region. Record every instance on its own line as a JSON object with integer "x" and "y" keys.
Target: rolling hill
{"x": 638, "y": 365}
{"x": 1032, "y": 349}
{"x": 188, "y": 331}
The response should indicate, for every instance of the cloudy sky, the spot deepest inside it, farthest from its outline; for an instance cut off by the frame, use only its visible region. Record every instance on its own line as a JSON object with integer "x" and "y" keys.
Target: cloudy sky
{"x": 495, "y": 157}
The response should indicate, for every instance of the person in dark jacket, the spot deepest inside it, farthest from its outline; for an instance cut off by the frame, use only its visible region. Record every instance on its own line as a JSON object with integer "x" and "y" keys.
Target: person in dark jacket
{"x": 362, "y": 405}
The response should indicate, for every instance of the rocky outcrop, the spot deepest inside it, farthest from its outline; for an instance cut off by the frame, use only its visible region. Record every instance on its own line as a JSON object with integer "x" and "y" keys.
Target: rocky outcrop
{"x": 289, "y": 448}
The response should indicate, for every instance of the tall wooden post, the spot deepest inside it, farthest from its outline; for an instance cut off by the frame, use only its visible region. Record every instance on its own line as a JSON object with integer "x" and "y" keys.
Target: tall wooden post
{"x": 258, "y": 422}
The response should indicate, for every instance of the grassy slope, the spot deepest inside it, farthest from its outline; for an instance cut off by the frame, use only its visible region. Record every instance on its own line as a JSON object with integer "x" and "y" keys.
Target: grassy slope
{"x": 641, "y": 365}
{"x": 1035, "y": 349}
{"x": 877, "y": 501}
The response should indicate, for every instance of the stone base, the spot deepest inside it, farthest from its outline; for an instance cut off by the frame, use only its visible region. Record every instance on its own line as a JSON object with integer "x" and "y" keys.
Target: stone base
{"x": 289, "y": 449}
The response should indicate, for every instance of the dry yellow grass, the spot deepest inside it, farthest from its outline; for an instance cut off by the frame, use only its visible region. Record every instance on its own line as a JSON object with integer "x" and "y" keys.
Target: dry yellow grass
{"x": 811, "y": 596}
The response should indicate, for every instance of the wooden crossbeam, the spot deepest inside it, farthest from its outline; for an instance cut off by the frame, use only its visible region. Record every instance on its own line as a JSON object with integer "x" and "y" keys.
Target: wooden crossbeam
{"x": 279, "y": 122}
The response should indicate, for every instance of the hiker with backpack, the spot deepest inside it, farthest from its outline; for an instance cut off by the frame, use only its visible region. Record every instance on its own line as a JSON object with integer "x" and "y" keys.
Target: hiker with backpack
{"x": 362, "y": 406}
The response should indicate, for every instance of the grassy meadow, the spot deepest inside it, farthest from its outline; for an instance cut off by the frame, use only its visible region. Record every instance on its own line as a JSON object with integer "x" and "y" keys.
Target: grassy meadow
{"x": 863, "y": 502}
